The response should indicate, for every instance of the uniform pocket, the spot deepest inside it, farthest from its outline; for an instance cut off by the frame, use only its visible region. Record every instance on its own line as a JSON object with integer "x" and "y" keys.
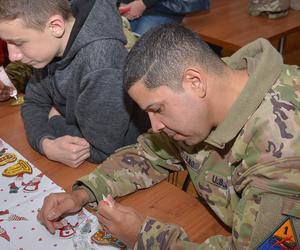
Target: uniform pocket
{"x": 291, "y": 207}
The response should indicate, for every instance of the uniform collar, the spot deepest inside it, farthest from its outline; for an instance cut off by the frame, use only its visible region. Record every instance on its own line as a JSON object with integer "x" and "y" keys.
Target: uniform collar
{"x": 264, "y": 65}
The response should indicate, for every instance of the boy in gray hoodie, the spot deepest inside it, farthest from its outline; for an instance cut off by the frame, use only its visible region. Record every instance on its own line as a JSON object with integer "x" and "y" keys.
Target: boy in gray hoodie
{"x": 75, "y": 108}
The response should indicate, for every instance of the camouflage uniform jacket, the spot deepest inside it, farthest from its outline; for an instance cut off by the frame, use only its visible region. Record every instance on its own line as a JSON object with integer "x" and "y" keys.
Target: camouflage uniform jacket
{"x": 247, "y": 170}
{"x": 19, "y": 73}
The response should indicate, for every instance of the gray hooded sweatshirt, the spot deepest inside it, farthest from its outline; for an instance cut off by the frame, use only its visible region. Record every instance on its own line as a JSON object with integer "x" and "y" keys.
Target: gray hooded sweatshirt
{"x": 85, "y": 86}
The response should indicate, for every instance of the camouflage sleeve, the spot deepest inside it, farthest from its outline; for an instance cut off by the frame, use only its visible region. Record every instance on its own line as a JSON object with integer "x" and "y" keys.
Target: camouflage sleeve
{"x": 261, "y": 221}
{"x": 157, "y": 235}
{"x": 133, "y": 167}
{"x": 19, "y": 73}
{"x": 130, "y": 36}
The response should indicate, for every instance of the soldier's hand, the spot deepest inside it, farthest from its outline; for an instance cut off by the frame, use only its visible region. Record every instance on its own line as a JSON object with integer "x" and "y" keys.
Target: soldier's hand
{"x": 69, "y": 150}
{"x": 122, "y": 222}
{"x": 5, "y": 91}
{"x": 58, "y": 205}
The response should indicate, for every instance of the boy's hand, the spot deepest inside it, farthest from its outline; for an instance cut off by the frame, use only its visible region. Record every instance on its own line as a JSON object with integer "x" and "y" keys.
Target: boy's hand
{"x": 58, "y": 205}
{"x": 123, "y": 9}
{"x": 5, "y": 91}
{"x": 69, "y": 150}
{"x": 137, "y": 9}
{"x": 122, "y": 222}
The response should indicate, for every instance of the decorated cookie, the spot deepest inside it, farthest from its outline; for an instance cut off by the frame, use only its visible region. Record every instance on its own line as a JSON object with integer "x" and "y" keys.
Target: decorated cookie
{"x": 3, "y": 149}
{"x": 67, "y": 231}
{"x": 21, "y": 167}
{"x": 104, "y": 238}
{"x": 18, "y": 101}
{"x": 7, "y": 158}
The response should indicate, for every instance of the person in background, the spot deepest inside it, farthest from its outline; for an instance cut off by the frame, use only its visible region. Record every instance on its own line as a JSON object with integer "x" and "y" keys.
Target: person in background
{"x": 146, "y": 14}
{"x": 143, "y": 15}
{"x": 75, "y": 107}
{"x": 232, "y": 123}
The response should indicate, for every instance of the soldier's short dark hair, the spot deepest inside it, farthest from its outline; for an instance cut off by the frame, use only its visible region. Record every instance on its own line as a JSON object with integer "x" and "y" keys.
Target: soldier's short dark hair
{"x": 162, "y": 54}
{"x": 34, "y": 13}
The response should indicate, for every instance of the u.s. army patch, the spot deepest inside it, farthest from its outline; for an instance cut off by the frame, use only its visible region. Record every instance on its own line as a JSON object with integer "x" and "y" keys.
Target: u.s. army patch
{"x": 283, "y": 237}
{"x": 190, "y": 161}
{"x": 217, "y": 180}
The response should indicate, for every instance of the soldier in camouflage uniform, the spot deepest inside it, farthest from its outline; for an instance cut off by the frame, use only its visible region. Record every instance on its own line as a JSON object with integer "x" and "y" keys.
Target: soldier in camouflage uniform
{"x": 272, "y": 8}
{"x": 233, "y": 124}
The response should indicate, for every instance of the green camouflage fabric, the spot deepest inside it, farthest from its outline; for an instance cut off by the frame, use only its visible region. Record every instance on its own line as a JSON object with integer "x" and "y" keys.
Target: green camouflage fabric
{"x": 19, "y": 73}
{"x": 271, "y": 8}
{"x": 130, "y": 36}
{"x": 295, "y": 4}
{"x": 247, "y": 170}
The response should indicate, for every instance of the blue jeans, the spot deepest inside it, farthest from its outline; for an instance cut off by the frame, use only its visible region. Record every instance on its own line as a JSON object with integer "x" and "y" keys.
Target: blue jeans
{"x": 145, "y": 23}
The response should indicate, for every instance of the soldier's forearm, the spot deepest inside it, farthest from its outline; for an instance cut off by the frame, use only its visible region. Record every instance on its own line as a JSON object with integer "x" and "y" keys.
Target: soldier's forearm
{"x": 171, "y": 236}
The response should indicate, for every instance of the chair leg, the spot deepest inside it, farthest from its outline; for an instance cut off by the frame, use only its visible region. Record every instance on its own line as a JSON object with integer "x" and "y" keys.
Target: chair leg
{"x": 186, "y": 183}
{"x": 281, "y": 44}
{"x": 173, "y": 178}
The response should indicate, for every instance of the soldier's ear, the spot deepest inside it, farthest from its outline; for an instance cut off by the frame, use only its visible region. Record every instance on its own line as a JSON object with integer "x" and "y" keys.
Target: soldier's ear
{"x": 194, "y": 79}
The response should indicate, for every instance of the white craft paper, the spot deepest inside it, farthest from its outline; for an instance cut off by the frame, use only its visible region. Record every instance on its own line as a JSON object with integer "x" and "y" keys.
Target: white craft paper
{"x": 19, "y": 227}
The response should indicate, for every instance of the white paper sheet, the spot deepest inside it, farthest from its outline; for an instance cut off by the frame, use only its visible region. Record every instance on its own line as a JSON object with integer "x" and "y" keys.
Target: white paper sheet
{"x": 20, "y": 198}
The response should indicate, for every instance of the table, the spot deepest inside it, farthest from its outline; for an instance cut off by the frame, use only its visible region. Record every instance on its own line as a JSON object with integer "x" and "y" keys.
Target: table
{"x": 163, "y": 201}
{"x": 228, "y": 25}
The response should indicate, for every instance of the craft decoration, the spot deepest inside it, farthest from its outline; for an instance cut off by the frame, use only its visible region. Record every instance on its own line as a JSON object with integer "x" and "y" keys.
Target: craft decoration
{"x": 14, "y": 217}
{"x": 4, "y": 212}
{"x": 13, "y": 189}
{"x": 17, "y": 101}
{"x": 3, "y": 149}
{"x": 4, "y": 234}
{"x": 11, "y": 217}
{"x": 7, "y": 158}
{"x": 103, "y": 238}
{"x": 20, "y": 196}
{"x": 33, "y": 185}
{"x": 21, "y": 167}
{"x": 67, "y": 231}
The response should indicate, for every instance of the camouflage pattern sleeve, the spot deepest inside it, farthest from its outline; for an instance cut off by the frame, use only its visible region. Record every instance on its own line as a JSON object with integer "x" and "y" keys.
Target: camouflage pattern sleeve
{"x": 19, "y": 73}
{"x": 260, "y": 221}
{"x": 133, "y": 167}
{"x": 158, "y": 235}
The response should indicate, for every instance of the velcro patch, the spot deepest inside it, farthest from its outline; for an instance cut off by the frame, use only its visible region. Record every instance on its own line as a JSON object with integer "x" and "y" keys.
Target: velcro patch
{"x": 190, "y": 161}
{"x": 283, "y": 237}
{"x": 217, "y": 180}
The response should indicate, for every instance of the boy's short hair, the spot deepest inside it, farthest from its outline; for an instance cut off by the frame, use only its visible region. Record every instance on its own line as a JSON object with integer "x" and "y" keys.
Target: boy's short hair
{"x": 34, "y": 13}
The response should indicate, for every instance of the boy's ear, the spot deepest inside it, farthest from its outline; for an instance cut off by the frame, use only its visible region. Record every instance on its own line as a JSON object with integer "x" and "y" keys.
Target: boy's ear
{"x": 56, "y": 25}
{"x": 194, "y": 79}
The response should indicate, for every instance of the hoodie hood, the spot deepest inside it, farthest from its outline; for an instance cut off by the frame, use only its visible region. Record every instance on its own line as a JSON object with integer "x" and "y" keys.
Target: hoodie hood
{"x": 95, "y": 20}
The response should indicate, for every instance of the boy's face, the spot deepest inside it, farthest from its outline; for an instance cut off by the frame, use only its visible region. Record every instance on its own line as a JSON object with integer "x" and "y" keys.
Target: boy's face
{"x": 30, "y": 46}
